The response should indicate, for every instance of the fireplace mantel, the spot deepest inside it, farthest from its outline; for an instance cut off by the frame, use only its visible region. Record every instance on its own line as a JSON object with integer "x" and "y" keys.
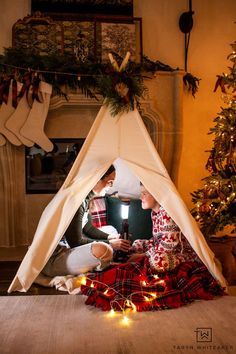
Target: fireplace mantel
{"x": 161, "y": 110}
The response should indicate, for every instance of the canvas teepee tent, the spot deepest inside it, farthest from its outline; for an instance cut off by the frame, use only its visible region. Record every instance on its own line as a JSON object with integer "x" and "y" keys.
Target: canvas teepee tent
{"x": 123, "y": 136}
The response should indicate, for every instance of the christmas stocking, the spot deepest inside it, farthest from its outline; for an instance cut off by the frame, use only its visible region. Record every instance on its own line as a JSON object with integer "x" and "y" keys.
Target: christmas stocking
{"x": 33, "y": 128}
{"x": 17, "y": 120}
{"x": 6, "y": 111}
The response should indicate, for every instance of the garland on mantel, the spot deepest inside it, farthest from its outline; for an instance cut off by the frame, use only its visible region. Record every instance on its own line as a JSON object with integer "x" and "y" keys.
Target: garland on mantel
{"x": 122, "y": 89}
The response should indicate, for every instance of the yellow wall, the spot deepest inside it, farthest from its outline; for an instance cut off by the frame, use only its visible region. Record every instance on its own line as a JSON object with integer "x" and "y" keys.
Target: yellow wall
{"x": 10, "y": 12}
{"x": 213, "y": 31}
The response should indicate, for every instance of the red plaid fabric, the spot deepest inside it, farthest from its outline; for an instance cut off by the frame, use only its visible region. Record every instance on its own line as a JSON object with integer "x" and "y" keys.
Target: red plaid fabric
{"x": 98, "y": 212}
{"x": 133, "y": 282}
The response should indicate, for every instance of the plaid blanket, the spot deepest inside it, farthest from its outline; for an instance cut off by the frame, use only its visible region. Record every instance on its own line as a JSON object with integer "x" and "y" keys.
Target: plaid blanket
{"x": 98, "y": 212}
{"x": 133, "y": 285}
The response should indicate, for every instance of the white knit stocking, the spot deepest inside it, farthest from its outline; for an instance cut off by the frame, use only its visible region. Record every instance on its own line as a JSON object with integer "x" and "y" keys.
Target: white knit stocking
{"x": 6, "y": 111}
{"x": 17, "y": 120}
{"x": 33, "y": 127}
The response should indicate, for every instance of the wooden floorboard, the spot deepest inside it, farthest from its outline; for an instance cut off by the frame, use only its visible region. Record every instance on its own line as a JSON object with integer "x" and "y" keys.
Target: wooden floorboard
{"x": 64, "y": 324}
{"x": 8, "y": 270}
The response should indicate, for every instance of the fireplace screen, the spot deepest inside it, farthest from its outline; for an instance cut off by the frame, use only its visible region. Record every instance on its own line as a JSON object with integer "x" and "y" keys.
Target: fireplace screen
{"x": 46, "y": 171}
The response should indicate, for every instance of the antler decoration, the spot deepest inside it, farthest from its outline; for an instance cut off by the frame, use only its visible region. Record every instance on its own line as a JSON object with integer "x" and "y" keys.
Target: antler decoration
{"x": 120, "y": 87}
{"x": 123, "y": 64}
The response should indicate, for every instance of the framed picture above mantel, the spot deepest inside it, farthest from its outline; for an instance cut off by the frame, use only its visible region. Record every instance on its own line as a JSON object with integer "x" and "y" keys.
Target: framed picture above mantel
{"x": 46, "y": 172}
{"x": 88, "y": 39}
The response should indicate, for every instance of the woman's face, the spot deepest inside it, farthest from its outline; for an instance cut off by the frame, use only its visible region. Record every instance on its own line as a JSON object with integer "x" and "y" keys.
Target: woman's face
{"x": 148, "y": 201}
{"x": 103, "y": 186}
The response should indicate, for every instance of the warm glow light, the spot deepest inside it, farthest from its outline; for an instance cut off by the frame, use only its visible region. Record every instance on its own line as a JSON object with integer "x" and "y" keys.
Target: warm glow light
{"x": 147, "y": 298}
{"x": 92, "y": 285}
{"x": 133, "y": 307}
{"x": 111, "y": 313}
{"x": 153, "y": 294}
{"x": 144, "y": 283}
{"x": 155, "y": 276}
{"x": 106, "y": 292}
{"x": 83, "y": 281}
{"x": 162, "y": 282}
{"x": 128, "y": 303}
{"x": 125, "y": 320}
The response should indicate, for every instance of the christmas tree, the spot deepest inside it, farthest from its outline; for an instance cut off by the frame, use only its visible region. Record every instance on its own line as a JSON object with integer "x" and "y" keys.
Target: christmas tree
{"x": 215, "y": 203}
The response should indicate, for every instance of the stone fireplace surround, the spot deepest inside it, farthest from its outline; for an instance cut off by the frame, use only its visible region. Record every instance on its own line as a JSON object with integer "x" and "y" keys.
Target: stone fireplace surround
{"x": 161, "y": 110}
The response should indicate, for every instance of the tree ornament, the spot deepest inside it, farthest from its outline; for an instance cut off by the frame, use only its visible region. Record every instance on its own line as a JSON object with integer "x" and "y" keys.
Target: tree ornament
{"x": 204, "y": 208}
{"x": 211, "y": 165}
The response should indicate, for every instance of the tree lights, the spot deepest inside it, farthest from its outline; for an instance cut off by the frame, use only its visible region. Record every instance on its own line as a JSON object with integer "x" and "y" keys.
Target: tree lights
{"x": 215, "y": 203}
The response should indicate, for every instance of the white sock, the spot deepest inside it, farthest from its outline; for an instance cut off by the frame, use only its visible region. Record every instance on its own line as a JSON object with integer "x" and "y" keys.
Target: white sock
{"x": 2, "y": 140}
{"x": 33, "y": 128}
{"x": 6, "y": 111}
{"x": 17, "y": 120}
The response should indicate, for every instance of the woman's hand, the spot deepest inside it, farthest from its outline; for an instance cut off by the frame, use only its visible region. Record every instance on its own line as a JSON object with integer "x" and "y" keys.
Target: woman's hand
{"x": 113, "y": 236}
{"x": 136, "y": 256}
{"x": 119, "y": 244}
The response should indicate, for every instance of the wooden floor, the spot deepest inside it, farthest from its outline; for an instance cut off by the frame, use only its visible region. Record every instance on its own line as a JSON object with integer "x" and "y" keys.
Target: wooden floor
{"x": 8, "y": 270}
{"x": 64, "y": 324}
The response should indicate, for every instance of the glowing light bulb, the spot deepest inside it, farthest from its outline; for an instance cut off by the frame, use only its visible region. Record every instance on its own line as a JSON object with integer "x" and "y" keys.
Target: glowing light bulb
{"x": 147, "y": 298}
{"x": 106, "y": 292}
{"x": 155, "y": 276}
{"x": 153, "y": 295}
{"x": 111, "y": 313}
{"x": 83, "y": 281}
{"x": 144, "y": 283}
{"x": 92, "y": 285}
{"x": 133, "y": 307}
{"x": 125, "y": 320}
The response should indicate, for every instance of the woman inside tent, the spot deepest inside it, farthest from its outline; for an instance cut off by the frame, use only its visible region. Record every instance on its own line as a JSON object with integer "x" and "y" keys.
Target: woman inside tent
{"x": 163, "y": 272}
{"x": 78, "y": 252}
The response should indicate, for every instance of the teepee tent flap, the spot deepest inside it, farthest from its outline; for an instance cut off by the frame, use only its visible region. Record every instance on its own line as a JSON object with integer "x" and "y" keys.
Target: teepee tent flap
{"x": 123, "y": 136}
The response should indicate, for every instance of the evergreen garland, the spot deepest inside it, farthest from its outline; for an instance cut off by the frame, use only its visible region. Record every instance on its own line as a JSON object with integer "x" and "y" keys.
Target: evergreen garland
{"x": 121, "y": 90}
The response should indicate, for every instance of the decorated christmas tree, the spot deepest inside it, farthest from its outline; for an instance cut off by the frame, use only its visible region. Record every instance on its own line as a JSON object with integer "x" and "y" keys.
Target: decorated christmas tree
{"x": 215, "y": 203}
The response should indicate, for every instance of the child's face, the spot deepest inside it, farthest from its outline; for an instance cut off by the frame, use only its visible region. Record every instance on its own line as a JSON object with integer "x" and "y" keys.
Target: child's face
{"x": 148, "y": 201}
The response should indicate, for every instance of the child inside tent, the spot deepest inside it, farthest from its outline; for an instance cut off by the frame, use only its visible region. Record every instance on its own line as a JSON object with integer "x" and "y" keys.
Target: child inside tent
{"x": 168, "y": 247}
{"x": 163, "y": 272}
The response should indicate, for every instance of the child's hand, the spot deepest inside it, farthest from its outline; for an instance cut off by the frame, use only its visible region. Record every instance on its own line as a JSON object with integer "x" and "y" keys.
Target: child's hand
{"x": 135, "y": 256}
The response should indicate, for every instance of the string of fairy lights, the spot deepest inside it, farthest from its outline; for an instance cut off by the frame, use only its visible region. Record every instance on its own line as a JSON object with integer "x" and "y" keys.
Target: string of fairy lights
{"x": 128, "y": 306}
{"x": 40, "y": 71}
